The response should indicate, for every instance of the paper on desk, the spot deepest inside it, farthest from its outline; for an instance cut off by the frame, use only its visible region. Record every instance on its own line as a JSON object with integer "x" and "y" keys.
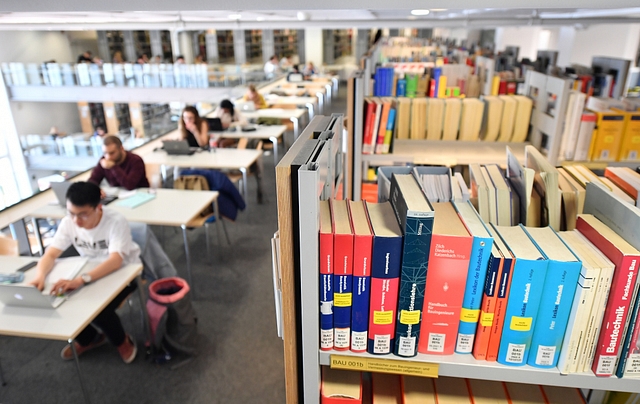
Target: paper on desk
{"x": 126, "y": 194}
{"x": 65, "y": 268}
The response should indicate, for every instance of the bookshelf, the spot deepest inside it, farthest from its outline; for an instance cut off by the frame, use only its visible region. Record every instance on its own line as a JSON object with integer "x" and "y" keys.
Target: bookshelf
{"x": 253, "y": 45}
{"x": 115, "y": 42}
{"x": 226, "y": 52}
{"x": 285, "y": 42}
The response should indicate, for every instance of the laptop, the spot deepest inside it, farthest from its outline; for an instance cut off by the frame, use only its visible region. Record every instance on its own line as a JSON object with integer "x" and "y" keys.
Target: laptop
{"x": 245, "y": 106}
{"x": 28, "y": 296}
{"x": 215, "y": 125}
{"x": 60, "y": 190}
{"x": 177, "y": 148}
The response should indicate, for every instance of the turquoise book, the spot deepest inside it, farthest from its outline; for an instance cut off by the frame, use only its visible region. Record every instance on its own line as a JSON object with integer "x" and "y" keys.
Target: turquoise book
{"x": 415, "y": 216}
{"x": 478, "y": 266}
{"x": 563, "y": 272}
{"x": 527, "y": 282}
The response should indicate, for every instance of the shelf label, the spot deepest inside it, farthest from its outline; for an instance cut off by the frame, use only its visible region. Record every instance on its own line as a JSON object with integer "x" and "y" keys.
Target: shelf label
{"x": 398, "y": 367}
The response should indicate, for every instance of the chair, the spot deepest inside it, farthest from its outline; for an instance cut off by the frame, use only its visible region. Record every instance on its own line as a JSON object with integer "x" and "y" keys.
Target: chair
{"x": 9, "y": 246}
{"x": 236, "y": 176}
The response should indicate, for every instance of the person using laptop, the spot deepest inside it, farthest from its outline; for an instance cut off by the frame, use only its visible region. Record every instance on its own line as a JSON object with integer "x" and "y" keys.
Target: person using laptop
{"x": 95, "y": 232}
{"x": 229, "y": 118}
{"x": 254, "y": 96}
{"x": 193, "y": 128}
{"x": 120, "y": 167}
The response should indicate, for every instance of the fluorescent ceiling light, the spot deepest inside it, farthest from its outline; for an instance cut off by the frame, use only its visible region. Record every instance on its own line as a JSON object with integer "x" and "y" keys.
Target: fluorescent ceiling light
{"x": 260, "y": 19}
{"x": 420, "y": 12}
{"x": 235, "y": 16}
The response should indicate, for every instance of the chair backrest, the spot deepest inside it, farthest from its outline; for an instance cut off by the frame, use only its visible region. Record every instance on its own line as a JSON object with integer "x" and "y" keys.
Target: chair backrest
{"x": 9, "y": 246}
{"x": 192, "y": 182}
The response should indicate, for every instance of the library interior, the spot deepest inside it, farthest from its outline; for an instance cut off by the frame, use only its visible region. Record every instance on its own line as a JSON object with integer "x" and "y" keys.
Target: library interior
{"x": 410, "y": 205}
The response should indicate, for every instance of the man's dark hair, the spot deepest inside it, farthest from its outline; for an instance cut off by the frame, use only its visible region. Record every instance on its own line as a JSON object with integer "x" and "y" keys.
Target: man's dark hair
{"x": 112, "y": 139}
{"x": 84, "y": 194}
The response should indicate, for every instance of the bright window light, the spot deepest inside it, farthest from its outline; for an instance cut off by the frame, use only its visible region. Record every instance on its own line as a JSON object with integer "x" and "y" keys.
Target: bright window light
{"x": 420, "y": 12}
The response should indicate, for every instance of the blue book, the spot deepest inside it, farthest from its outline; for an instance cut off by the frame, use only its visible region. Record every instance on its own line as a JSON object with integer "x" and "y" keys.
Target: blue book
{"x": 376, "y": 84}
{"x": 390, "y": 76}
{"x": 629, "y": 353}
{"x": 527, "y": 281}
{"x": 560, "y": 284}
{"x": 437, "y": 72}
{"x": 401, "y": 88}
{"x": 415, "y": 216}
{"x": 478, "y": 265}
{"x": 326, "y": 276}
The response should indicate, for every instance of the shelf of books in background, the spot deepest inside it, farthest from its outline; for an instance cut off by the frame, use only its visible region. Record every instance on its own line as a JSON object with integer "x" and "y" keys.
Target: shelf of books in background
{"x": 454, "y": 294}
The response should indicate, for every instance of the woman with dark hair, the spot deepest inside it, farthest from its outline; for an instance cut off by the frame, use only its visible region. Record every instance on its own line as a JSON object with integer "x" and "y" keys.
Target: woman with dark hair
{"x": 229, "y": 116}
{"x": 193, "y": 128}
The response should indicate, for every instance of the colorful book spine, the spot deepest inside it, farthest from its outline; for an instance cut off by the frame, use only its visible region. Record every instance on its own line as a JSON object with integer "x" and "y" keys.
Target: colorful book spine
{"x": 388, "y": 136}
{"x": 370, "y": 108}
{"x": 499, "y": 314}
{"x": 361, "y": 276}
{"x": 470, "y": 313}
{"x": 326, "y": 277}
{"x": 342, "y": 274}
{"x": 629, "y": 364}
{"x": 437, "y": 73}
{"x": 487, "y": 308}
{"x": 401, "y": 88}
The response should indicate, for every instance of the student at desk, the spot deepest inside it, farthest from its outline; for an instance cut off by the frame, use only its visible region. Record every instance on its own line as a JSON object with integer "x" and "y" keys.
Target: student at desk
{"x": 253, "y": 95}
{"x": 193, "y": 128}
{"x": 229, "y": 118}
{"x": 95, "y": 232}
{"x": 120, "y": 167}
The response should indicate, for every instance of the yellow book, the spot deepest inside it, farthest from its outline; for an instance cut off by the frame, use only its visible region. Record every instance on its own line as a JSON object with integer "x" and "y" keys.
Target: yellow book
{"x": 452, "y": 112}
{"x": 493, "y": 113}
{"x": 442, "y": 86}
{"x": 607, "y": 137}
{"x": 630, "y": 145}
{"x": 403, "y": 120}
{"x": 418, "y": 390}
{"x": 418, "y": 119}
{"x": 451, "y": 390}
{"x": 471, "y": 119}
{"x": 487, "y": 392}
{"x": 508, "y": 118}
{"x": 523, "y": 117}
{"x": 495, "y": 85}
{"x": 435, "y": 116}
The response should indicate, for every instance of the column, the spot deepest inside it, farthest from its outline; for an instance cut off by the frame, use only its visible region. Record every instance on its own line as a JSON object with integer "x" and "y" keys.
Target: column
{"x": 362, "y": 43}
{"x": 103, "y": 47}
{"x": 313, "y": 45}
{"x": 156, "y": 43}
{"x": 175, "y": 44}
{"x": 129, "y": 47}
{"x": 239, "y": 48}
{"x": 268, "y": 45}
{"x": 186, "y": 46}
{"x": 302, "y": 49}
{"x": 211, "y": 42}
{"x": 328, "y": 45}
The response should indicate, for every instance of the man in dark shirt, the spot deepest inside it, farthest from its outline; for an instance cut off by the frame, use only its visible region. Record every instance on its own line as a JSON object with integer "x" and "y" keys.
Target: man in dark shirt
{"x": 120, "y": 167}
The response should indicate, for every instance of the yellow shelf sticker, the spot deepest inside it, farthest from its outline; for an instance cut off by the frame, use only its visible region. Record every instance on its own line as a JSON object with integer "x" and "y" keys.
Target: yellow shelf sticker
{"x": 342, "y": 299}
{"x": 469, "y": 316}
{"x": 486, "y": 319}
{"x": 409, "y": 317}
{"x": 382, "y": 317}
{"x": 521, "y": 323}
{"x": 398, "y": 367}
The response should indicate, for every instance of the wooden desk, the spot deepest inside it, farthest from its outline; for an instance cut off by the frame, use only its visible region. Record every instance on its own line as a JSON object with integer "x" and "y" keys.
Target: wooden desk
{"x": 263, "y": 132}
{"x": 232, "y": 159}
{"x": 309, "y": 102}
{"x": 68, "y": 320}
{"x": 159, "y": 211}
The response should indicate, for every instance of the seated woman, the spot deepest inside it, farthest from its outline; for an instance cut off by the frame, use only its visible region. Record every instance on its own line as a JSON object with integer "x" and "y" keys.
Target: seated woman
{"x": 253, "y": 95}
{"x": 193, "y": 128}
{"x": 229, "y": 118}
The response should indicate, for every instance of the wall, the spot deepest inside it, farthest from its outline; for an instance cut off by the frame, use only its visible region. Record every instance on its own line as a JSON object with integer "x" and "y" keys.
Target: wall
{"x": 39, "y": 117}
{"x": 313, "y": 46}
{"x": 613, "y": 40}
{"x": 81, "y": 41}
{"x": 527, "y": 38}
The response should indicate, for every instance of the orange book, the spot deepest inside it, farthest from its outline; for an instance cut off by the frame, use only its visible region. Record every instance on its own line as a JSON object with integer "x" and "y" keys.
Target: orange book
{"x": 386, "y": 388}
{"x": 625, "y": 178}
{"x": 370, "y": 108}
{"x": 446, "y": 281}
{"x": 418, "y": 390}
{"x": 502, "y": 296}
{"x": 382, "y": 128}
{"x": 451, "y": 390}
{"x": 487, "y": 392}
{"x": 630, "y": 145}
{"x": 607, "y": 138}
{"x": 520, "y": 393}
{"x": 340, "y": 386}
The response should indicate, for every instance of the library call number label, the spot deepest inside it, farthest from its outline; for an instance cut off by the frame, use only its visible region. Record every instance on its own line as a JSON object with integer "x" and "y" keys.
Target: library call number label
{"x": 384, "y": 366}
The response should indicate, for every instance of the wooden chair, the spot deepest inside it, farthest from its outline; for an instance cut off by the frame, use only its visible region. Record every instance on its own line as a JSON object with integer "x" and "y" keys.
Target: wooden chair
{"x": 9, "y": 246}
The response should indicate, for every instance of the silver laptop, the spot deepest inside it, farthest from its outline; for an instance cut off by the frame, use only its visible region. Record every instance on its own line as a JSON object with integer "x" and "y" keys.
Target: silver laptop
{"x": 28, "y": 296}
{"x": 177, "y": 148}
{"x": 246, "y": 106}
{"x": 60, "y": 189}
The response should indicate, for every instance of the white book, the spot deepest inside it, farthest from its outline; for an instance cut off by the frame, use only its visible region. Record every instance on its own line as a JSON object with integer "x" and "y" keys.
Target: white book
{"x": 493, "y": 203}
{"x": 463, "y": 187}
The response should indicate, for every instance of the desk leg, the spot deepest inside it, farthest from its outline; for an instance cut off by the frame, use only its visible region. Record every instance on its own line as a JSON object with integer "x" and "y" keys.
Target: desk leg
{"x": 335, "y": 85}
{"x": 75, "y": 357}
{"x": 320, "y": 102}
{"x": 310, "y": 107}
{"x": 36, "y": 230}
{"x": 274, "y": 140}
{"x": 143, "y": 310}
{"x": 329, "y": 95}
{"x": 243, "y": 170}
{"x": 187, "y": 253}
{"x": 2, "y": 382}
{"x": 296, "y": 128}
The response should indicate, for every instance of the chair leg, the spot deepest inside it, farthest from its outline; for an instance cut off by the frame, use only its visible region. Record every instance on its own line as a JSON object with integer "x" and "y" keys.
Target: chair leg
{"x": 206, "y": 235}
{"x": 224, "y": 227}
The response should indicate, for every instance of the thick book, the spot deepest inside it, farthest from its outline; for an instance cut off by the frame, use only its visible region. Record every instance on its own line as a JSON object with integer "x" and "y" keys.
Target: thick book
{"x": 326, "y": 276}
{"x": 527, "y": 281}
{"x": 385, "y": 277}
{"x": 489, "y": 298}
{"x": 520, "y": 393}
{"x": 415, "y": 215}
{"x": 362, "y": 240}
{"x": 626, "y": 258}
{"x": 342, "y": 274}
{"x": 562, "y": 395}
{"x": 386, "y": 388}
{"x": 446, "y": 278}
{"x": 629, "y": 363}
{"x": 487, "y": 392}
{"x": 370, "y": 107}
{"x": 340, "y": 386}
{"x": 563, "y": 272}
{"x": 476, "y": 275}
{"x": 479, "y": 192}
{"x": 418, "y": 390}
{"x": 452, "y": 390}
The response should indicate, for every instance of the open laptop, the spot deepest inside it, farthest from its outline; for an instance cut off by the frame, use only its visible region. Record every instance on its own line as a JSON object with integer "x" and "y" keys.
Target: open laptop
{"x": 245, "y": 106}
{"x": 60, "y": 190}
{"x": 28, "y": 296}
{"x": 215, "y": 125}
{"x": 177, "y": 148}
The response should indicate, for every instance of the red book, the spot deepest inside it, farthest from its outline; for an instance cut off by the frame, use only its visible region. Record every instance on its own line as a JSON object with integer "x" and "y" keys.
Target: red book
{"x": 432, "y": 88}
{"x": 446, "y": 281}
{"x": 369, "y": 118}
{"x": 342, "y": 274}
{"x": 512, "y": 86}
{"x": 622, "y": 176}
{"x": 626, "y": 259}
{"x": 502, "y": 89}
{"x": 326, "y": 277}
{"x": 501, "y": 302}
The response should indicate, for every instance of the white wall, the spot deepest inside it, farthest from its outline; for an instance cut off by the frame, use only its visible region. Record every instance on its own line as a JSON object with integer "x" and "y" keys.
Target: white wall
{"x": 566, "y": 36}
{"x": 39, "y": 117}
{"x": 313, "y": 46}
{"x": 613, "y": 40}
{"x": 527, "y": 38}
{"x": 81, "y": 41}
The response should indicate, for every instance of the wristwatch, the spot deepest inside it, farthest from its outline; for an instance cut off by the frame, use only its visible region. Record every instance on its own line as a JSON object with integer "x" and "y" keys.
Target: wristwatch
{"x": 86, "y": 278}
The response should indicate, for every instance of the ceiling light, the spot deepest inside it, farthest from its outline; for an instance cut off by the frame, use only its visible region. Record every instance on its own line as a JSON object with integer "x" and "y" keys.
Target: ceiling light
{"x": 437, "y": 10}
{"x": 302, "y": 16}
{"x": 420, "y": 12}
{"x": 235, "y": 16}
{"x": 260, "y": 19}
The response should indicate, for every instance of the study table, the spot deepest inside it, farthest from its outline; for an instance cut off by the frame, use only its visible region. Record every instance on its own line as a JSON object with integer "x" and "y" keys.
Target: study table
{"x": 293, "y": 115}
{"x": 170, "y": 207}
{"x": 70, "y": 318}
{"x": 309, "y": 102}
{"x": 219, "y": 159}
{"x": 263, "y": 132}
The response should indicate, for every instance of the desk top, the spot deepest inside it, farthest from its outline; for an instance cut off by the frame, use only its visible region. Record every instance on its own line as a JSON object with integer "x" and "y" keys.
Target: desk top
{"x": 291, "y": 91}
{"x": 220, "y": 159}
{"x": 162, "y": 210}
{"x": 274, "y": 113}
{"x": 68, "y": 320}
{"x": 261, "y": 132}
{"x": 271, "y": 100}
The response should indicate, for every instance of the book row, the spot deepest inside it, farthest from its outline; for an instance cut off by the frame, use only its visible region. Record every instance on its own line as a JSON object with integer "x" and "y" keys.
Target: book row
{"x": 344, "y": 387}
{"x": 407, "y": 277}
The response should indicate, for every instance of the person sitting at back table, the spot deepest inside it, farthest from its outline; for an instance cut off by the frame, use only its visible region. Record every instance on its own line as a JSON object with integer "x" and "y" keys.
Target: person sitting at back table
{"x": 193, "y": 128}
{"x": 120, "y": 167}
{"x": 309, "y": 70}
{"x": 100, "y": 132}
{"x": 254, "y": 96}
{"x": 295, "y": 71}
{"x": 101, "y": 233}
{"x": 229, "y": 116}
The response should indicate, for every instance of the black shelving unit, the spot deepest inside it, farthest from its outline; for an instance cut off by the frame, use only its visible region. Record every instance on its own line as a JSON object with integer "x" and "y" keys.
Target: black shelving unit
{"x": 226, "y": 52}
{"x": 285, "y": 42}
{"x": 253, "y": 45}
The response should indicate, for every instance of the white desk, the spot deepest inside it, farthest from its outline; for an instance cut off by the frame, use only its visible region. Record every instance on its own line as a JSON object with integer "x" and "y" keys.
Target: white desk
{"x": 263, "y": 132}
{"x": 170, "y": 207}
{"x": 68, "y": 320}
{"x": 318, "y": 86}
{"x": 309, "y": 102}
{"x": 233, "y": 159}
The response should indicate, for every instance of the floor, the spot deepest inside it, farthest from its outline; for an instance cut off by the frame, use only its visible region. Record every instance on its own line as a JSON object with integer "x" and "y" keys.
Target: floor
{"x": 240, "y": 356}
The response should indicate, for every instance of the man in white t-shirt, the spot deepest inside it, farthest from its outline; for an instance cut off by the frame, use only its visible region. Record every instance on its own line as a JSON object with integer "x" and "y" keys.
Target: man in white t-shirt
{"x": 271, "y": 68}
{"x": 95, "y": 232}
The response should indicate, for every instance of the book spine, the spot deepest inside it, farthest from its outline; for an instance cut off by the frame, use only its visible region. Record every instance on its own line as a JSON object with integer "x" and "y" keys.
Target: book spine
{"x": 499, "y": 316}
{"x": 388, "y": 136}
{"x": 368, "y": 128}
{"x": 385, "y": 279}
{"x": 630, "y": 149}
{"x": 487, "y": 308}
{"x": 629, "y": 364}
{"x": 444, "y": 290}
{"x": 415, "y": 261}
{"x": 342, "y": 298}
{"x": 470, "y": 313}
{"x": 621, "y": 182}
{"x": 435, "y": 85}
{"x": 442, "y": 86}
{"x": 587, "y": 353}
{"x": 553, "y": 313}
{"x": 361, "y": 292}
{"x": 522, "y": 307}
{"x": 326, "y": 291}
